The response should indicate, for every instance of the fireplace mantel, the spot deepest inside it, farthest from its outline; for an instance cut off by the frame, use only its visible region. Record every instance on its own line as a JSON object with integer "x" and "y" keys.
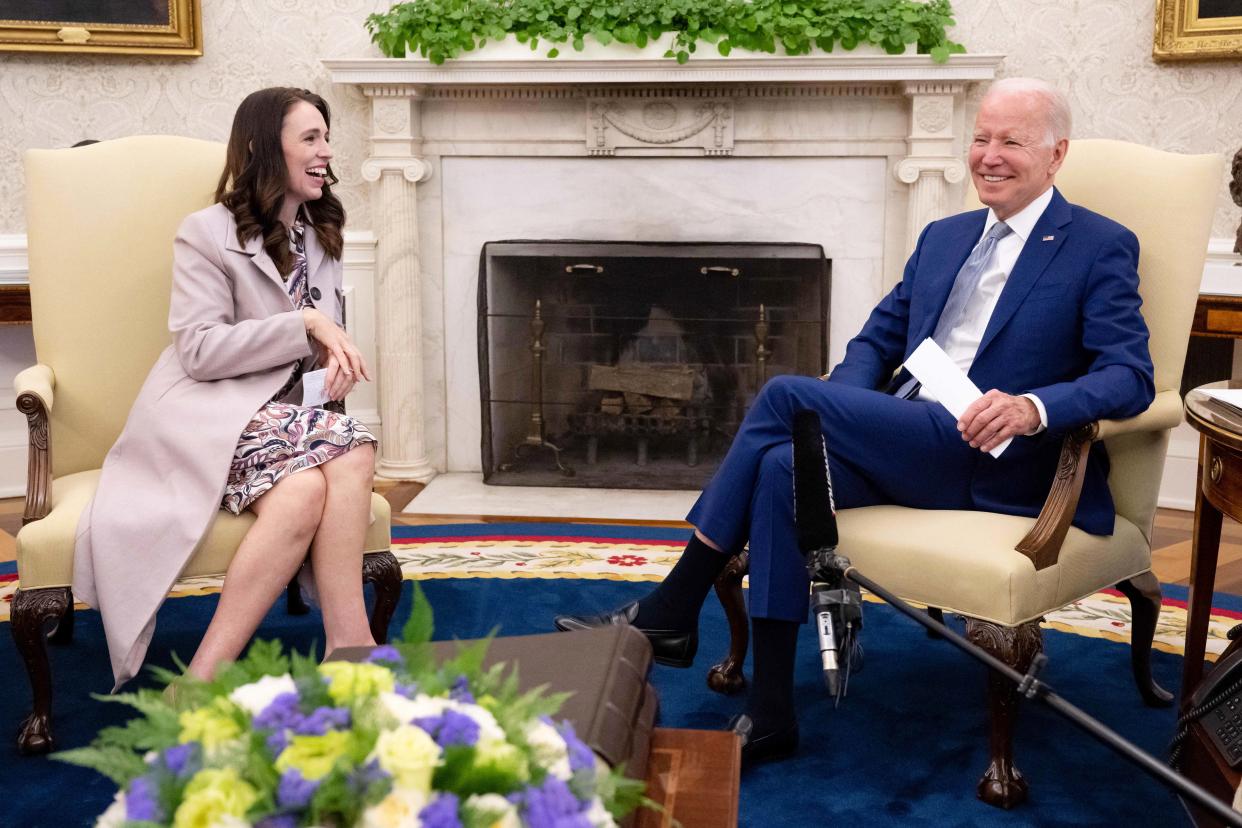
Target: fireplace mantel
{"x": 479, "y": 70}
{"x": 902, "y": 115}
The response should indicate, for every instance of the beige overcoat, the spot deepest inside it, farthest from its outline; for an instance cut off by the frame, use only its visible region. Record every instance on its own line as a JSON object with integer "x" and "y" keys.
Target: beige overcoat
{"x": 236, "y": 336}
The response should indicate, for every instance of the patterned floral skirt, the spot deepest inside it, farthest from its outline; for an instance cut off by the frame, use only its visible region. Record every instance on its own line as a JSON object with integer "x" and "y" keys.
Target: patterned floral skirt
{"x": 282, "y": 439}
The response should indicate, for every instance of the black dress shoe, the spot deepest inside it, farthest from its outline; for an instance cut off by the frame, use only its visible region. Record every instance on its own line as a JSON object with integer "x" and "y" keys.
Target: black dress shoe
{"x": 674, "y": 648}
{"x": 778, "y": 744}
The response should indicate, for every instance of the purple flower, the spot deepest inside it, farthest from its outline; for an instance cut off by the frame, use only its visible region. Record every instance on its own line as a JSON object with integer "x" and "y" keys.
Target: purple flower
{"x": 364, "y": 776}
{"x": 142, "y": 801}
{"x": 581, "y": 757}
{"x": 321, "y": 720}
{"x": 281, "y": 713}
{"x": 294, "y": 791}
{"x": 385, "y": 654}
{"x": 408, "y": 690}
{"x": 450, "y": 728}
{"x": 277, "y": 742}
{"x": 552, "y": 805}
{"x": 441, "y": 812}
{"x": 460, "y": 691}
{"x": 278, "y": 821}
{"x": 182, "y": 760}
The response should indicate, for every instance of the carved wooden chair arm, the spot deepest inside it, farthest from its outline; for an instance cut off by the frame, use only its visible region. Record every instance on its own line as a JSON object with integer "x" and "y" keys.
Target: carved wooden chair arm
{"x": 34, "y": 389}
{"x": 1043, "y": 543}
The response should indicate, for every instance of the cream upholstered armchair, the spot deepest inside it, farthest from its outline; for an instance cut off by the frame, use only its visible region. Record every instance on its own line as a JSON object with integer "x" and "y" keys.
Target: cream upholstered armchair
{"x": 101, "y": 221}
{"x": 1004, "y": 573}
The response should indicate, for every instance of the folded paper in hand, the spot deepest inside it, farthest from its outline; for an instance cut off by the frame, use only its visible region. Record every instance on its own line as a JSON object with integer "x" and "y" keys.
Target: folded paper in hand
{"x": 313, "y": 392}
{"x": 944, "y": 380}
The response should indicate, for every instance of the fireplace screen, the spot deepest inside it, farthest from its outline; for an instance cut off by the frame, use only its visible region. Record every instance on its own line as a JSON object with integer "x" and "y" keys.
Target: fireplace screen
{"x": 630, "y": 365}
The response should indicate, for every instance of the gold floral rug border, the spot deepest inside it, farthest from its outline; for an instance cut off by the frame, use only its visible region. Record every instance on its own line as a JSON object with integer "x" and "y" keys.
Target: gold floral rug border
{"x": 1101, "y": 615}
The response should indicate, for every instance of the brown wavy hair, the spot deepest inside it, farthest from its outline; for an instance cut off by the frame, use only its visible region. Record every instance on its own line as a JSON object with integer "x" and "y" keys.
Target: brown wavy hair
{"x": 253, "y": 183}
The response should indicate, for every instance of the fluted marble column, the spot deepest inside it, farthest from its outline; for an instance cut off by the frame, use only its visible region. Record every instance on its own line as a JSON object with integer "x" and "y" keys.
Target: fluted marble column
{"x": 395, "y": 171}
{"x": 933, "y": 163}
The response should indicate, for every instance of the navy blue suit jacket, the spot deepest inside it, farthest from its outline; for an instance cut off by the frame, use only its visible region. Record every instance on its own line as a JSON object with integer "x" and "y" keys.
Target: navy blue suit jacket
{"x": 1067, "y": 328}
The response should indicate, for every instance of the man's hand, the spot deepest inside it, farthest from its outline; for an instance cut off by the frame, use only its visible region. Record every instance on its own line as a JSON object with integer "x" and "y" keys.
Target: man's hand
{"x": 995, "y": 417}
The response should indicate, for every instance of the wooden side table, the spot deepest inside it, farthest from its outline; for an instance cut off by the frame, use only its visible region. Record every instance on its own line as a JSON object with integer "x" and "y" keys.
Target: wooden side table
{"x": 1219, "y": 493}
{"x": 695, "y": 775}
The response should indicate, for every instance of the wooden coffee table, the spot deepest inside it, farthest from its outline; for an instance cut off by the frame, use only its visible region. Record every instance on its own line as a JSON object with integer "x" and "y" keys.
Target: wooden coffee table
{"x": 695, "y": 775}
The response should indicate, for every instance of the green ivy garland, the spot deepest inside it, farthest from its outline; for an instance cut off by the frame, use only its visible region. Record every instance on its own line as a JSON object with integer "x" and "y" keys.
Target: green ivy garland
{"x": 441, "y": 29}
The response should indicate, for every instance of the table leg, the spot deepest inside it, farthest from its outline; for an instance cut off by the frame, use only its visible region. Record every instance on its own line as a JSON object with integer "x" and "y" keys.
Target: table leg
{"x": 1204, "y": 553}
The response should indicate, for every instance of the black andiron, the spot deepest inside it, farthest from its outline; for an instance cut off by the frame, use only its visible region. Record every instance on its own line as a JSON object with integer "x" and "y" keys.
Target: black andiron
{"x": 535, "y": 438}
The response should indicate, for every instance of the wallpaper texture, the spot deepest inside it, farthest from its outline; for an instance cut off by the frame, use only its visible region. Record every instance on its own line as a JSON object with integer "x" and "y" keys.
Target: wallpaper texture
{"x": 1097, "y": 51}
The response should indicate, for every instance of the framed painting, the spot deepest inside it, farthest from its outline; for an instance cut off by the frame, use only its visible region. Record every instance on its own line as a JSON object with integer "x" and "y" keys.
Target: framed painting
{"x": 120, "y": 27}
{"x": 1196, "y": 29}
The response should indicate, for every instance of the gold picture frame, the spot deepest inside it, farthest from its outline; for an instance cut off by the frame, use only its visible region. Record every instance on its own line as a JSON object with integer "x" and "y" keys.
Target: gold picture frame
{"x": 173, "y": 28}
{"x": 1198, "y": 29}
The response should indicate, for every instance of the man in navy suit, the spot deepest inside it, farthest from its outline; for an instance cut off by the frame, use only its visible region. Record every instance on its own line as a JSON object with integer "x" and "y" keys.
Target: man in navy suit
{"x": 1045, "y": 315}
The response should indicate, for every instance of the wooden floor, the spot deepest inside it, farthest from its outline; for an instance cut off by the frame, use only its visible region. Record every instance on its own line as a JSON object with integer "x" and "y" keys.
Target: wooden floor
{"x": 1170, "y": 560}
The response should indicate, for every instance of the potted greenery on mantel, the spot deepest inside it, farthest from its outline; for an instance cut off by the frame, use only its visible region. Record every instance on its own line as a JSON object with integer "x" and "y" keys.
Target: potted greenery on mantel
{"x": 444, "y": 29}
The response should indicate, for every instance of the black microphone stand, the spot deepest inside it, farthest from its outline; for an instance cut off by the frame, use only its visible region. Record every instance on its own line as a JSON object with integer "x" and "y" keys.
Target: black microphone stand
{"x": 1031, "y": 687}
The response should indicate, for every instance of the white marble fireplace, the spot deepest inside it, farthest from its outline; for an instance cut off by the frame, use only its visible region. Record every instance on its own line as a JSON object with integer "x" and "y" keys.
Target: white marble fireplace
{"x": 855, "y": 153}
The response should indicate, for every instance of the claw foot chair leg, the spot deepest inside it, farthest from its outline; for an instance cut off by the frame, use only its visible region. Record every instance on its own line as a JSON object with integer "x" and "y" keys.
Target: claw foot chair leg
{"x": 726, "y": 675}
{"x": 1002, "y": 784}
{"x": 1144, "y": 594}
{"x": 31, "y": 611}
{"x": 62, "y": 633}
{"x": 382, "y": 570}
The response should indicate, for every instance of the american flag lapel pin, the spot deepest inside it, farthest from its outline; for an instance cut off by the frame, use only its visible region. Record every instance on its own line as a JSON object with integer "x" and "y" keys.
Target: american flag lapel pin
{"x": 1049, "y": 238}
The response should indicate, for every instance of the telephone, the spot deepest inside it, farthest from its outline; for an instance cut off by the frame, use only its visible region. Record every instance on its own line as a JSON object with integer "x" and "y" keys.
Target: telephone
{"x": 1217, "y": 704}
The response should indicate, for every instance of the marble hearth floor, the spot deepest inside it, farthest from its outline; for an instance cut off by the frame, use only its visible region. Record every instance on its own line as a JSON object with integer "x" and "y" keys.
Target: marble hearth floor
{"x": 1170, "y": 558}
{"x": 464, "y": 493}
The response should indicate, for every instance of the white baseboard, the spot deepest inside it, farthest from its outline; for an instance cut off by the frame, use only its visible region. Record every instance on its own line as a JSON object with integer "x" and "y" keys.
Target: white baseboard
{"x": 1181, "y": 470}
{"x": 13, "y": 470}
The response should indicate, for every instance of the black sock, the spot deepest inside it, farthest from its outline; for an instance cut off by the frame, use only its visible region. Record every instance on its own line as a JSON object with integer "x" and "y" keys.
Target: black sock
{"x": 675, "y": 603}
{"x": 771, "y": 704}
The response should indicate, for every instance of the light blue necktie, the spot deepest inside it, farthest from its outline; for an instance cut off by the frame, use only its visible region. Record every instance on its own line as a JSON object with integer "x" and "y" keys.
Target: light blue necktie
{"x": 964, "y": 286}
{"x": 967, "y": 282}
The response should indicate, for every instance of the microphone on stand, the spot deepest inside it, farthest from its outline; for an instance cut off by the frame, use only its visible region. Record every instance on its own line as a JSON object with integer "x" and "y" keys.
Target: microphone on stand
{"x": 835, "y": 601}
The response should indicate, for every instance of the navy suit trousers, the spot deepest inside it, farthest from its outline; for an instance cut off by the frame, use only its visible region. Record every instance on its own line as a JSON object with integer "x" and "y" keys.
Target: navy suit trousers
{"x": 881, "y": 449}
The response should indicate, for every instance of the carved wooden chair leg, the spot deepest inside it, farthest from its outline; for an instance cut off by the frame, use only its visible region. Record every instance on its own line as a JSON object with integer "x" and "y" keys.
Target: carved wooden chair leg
{"x": 1002, "y": 785}
{"x": 62, "y": 633}
{"x": 382, "y": 570}
{"x": 30, "y": 613}
{"x": 1144, "y": 594}
{"x": 295, "y": 604}
{"x": 936, "y": 614}
{"x": 726, "y": 676}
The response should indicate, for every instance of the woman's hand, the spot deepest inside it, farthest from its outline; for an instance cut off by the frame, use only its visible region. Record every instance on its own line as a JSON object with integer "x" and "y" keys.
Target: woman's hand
{"x": 336, "y": 382}
{"x": 343, "y": 361}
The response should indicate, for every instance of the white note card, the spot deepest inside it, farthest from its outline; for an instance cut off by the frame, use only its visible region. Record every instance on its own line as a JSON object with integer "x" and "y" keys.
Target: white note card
{"x": 313, "y": 392}
{"x": 1231, "y": 397}
{"x": 948, "y": 383}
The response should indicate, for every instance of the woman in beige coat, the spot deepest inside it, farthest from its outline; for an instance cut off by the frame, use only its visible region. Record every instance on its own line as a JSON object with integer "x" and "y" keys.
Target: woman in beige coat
{"x": 219, "y": 422}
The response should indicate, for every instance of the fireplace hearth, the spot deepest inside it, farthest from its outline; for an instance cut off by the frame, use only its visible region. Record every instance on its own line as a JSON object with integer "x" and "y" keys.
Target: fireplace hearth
{"x": 630, "y": 365}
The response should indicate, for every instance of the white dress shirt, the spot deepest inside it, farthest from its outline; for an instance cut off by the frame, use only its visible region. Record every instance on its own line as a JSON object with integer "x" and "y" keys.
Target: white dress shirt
{"x": 963, "y": 341}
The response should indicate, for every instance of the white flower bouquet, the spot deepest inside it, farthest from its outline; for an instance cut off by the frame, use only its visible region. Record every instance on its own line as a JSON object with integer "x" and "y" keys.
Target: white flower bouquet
{"x": 397, "y": 741}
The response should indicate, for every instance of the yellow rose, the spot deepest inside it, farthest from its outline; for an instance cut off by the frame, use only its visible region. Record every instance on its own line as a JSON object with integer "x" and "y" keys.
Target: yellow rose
{"x": 313, "y": 756}
{"x": 212, "y": 725}
{"x": 410, "y": 755}
{"x": 398, "y": 809}
{"x": 353, "y": 681}
{"x": 213, "y": 795}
